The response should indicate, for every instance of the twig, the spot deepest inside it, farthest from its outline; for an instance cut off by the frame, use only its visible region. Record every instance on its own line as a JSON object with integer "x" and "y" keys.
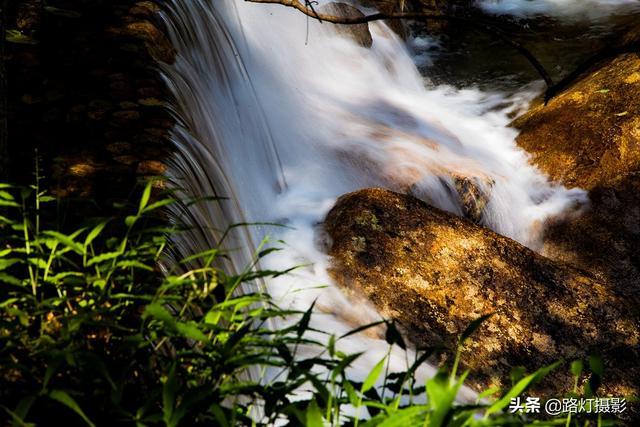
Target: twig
{"x": 415, "y": 16}
{"x": 606, "y": 53}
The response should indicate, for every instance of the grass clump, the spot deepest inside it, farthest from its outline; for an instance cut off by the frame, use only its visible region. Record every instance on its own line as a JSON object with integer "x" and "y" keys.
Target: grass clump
{"x": 93, "y": 332}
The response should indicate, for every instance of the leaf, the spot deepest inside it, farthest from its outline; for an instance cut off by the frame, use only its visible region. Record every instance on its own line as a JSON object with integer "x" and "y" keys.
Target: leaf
{"x": 351, "y": 393}
{"x": 6, "y": 195}
{"x": 130, "y": 220}
{"x": 15, "y": 36}
{"x": 393, "y": 336}
{"x": 362, "y": 328}
{"x": 9, "y": 203}
{"x": 404, "y": 417}
{"x": 158, "y": 312}
{"x": 520, "y": 387}
{"x": 190, "y": 330}
{"x": 95, "y": 232}
{"x": 303, "y": 325}
{"x": 344, "y": 363}
{"x": 64, "y": 398}
{"x": 596, "y": 364}
{"x": 473, "y": 326}
{"x": 489, "y": 392}
{"x": 373, "y": 376}
{"x": 159, "y": 204}
{"x": 144, "y": 200}
{"x": 516, "y": 374}
{"x": 576, "y": 368}
{"x": 133, "y": 263}
{"x": 103, "y": 257}
{"x": 314, "y": 417}
{"x": 624, "y": 113}
{"x": 441, "y": 396}
{"x": 18, "y": 421}
{"x": 47, "y": 199}
{"x": 6, "y": 263}
{"x": 66, "y": 241}
{"x": 66, "y": 13}
{"x": 169, "y": 389}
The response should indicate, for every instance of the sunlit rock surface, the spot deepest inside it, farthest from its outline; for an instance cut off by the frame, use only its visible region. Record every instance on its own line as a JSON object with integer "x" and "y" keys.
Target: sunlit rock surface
{"x": 589, "y": 137}
{"x": 435, "y": 273}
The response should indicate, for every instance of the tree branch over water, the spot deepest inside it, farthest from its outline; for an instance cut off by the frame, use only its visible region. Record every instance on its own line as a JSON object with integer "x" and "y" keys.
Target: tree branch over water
{"x": 479, "y": 25}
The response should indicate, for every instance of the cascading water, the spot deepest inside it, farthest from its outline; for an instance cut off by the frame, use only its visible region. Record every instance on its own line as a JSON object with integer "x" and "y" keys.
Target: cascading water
{"x": 282, "y": 127}
{"x": 573, "y": 9}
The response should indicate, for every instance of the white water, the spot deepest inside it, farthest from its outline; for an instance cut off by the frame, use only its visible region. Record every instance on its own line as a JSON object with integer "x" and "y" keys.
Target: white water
{"x": 283, "y": 128}
{"x": 567, "y": 9}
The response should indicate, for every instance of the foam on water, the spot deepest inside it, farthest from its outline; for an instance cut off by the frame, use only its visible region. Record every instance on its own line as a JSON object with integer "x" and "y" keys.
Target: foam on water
{"x": 567, "y": 9}
{"x": 283, "y": 127}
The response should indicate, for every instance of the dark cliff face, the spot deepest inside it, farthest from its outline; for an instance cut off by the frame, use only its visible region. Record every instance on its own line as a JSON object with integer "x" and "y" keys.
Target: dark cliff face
{"x": 84, "y": 91}
{"x": 435, "y": 273}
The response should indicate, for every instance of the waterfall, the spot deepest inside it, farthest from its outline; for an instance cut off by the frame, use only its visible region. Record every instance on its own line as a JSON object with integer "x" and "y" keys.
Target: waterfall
{"x": 281, "y": 115}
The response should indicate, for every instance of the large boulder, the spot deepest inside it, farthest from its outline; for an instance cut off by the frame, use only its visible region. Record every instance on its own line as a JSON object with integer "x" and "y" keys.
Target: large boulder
{"x": 434, "y": 273}
{"x": 588, "y": 136}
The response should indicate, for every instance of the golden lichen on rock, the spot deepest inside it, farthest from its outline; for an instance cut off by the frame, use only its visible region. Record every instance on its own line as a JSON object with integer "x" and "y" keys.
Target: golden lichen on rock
{"x": 435, "y": 273}
{"x": 588, "y": 136}
{"x": 579, "y": 138}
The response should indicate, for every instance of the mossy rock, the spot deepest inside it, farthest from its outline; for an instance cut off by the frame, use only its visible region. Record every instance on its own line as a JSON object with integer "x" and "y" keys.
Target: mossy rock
{"x": 435, "y": 273}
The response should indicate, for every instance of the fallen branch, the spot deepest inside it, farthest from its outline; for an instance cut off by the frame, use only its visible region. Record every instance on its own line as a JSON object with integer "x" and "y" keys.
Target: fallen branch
{"x": 322, "y": 17}
{"x": 606, "y": 53}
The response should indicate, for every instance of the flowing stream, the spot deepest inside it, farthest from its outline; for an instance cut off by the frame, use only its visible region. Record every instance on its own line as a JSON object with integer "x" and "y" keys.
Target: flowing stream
{"x": 281, "y": 115}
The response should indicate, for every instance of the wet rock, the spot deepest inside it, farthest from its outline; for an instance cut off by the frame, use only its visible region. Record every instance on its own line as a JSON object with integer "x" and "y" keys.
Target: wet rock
{"x": 151, "y": 167}
{"x": 360, "y": 32}
{"x": 144, "y": 8}
{"x": 119, "y": 147}
{"x": 389, "y": 6}
{"x": 148, "y": 92}
{"x": 151, "y": 102}
{"x": 29, "y": 15}
{"x": 126, "y": 115}
{"x": 434, "y": 273}
{"x": 126, "y": 159}
{"x": 474, "y": 196}
{"x": 156, "y": 42}
{"x": 589, "y": 136}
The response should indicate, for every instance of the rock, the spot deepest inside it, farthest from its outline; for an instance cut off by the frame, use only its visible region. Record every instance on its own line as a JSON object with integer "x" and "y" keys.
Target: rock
{"x": 359, "y": 32}
{"x": 126, "y": 115}
{"x": 156, "y": 42}
{"x": 126, "y": 159}
{"x": 474, "y": 195}
{"x": 389, "y": 6}
{"x": 589, "y": 136}
{"x": 434, "y": 273}
{"x": 29, "y": 15}
{"x": 148, "y": 92}
{"x": 119, "y": 148}
{"x": 144, "y": 8}
{"x": 151, "y": 167}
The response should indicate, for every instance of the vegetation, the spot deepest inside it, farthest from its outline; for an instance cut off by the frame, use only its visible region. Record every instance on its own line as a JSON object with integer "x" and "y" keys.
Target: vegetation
{"x": 95, "y": 332}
